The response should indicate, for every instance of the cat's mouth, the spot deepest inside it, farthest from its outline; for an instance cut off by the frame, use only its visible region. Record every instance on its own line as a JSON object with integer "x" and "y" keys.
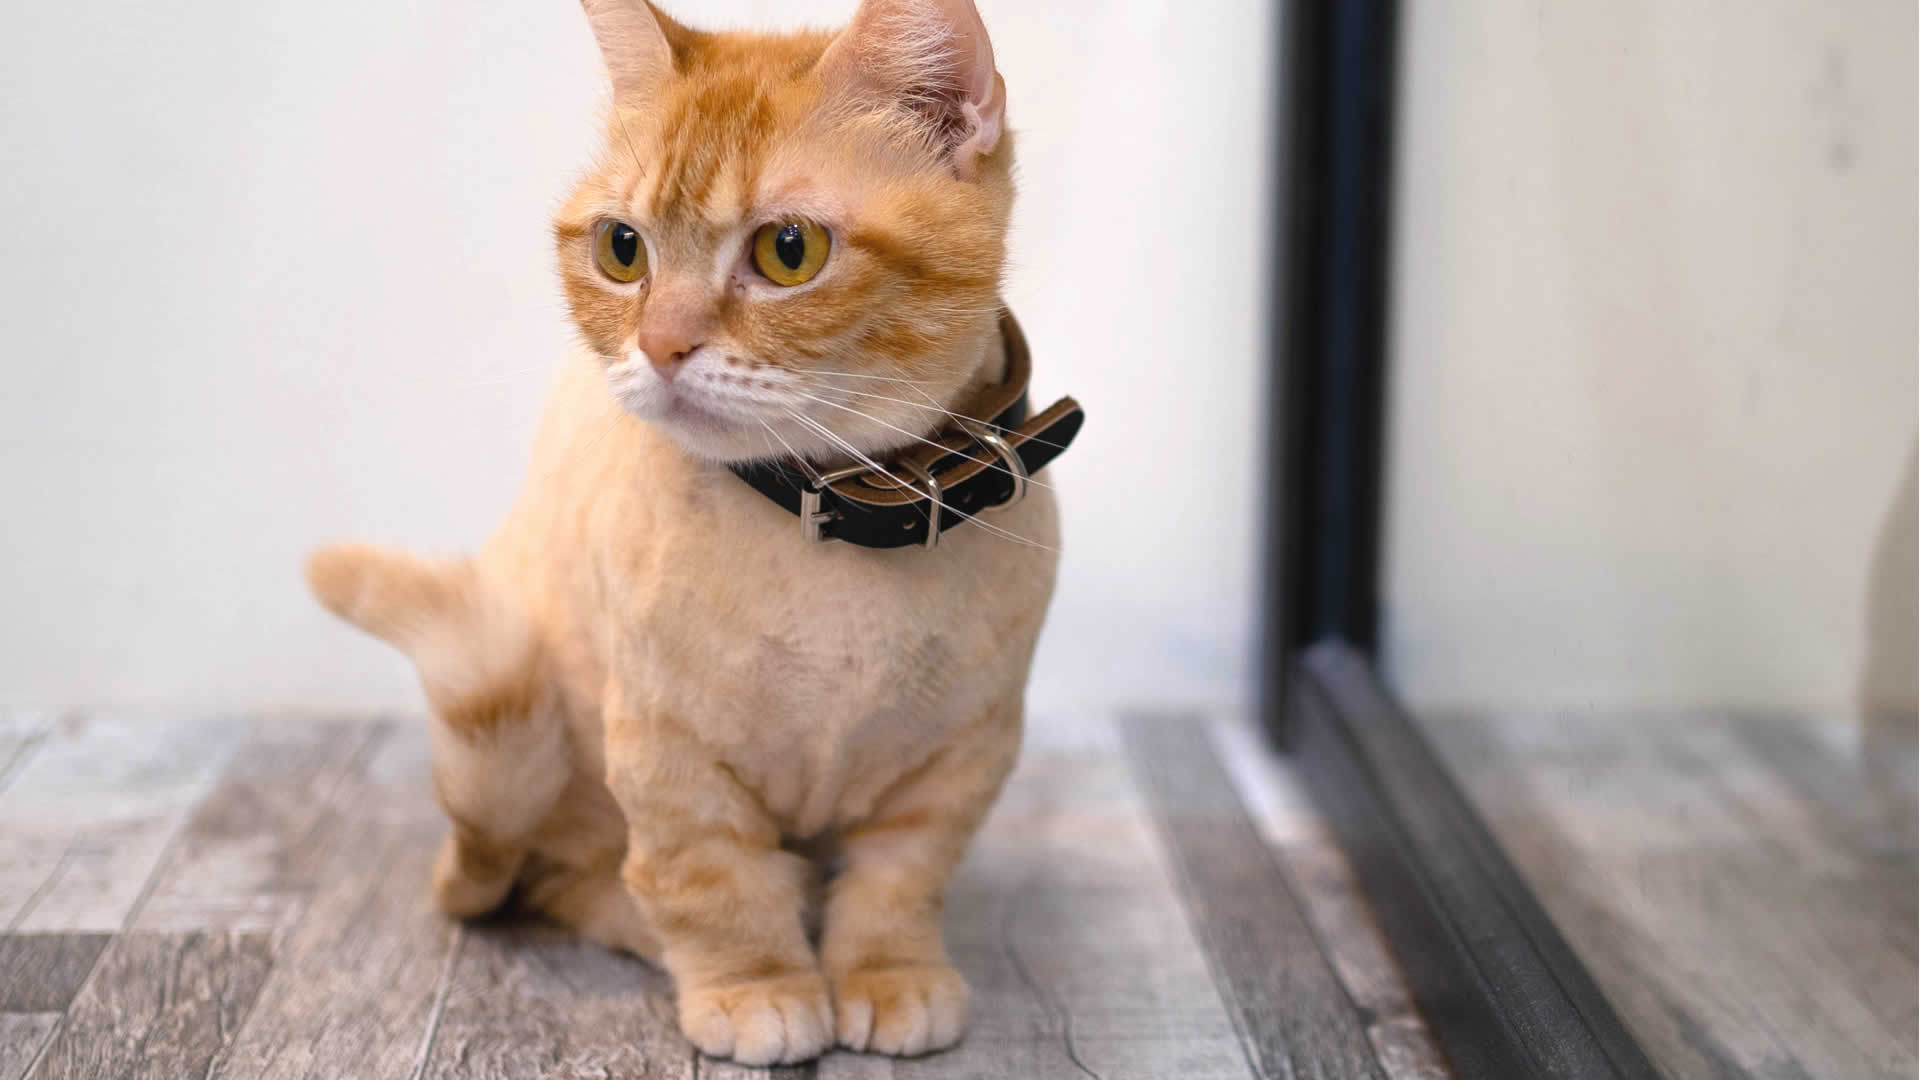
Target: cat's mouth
{"x": 683, "y": 402}
{"x": 680, "y": 407}
{"x": 730, "y": 416}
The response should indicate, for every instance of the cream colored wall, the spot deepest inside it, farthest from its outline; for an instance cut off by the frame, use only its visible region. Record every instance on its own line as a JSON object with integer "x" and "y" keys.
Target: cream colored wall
{"x": 1653, "y": 412}
{"x": 278, "y": 271}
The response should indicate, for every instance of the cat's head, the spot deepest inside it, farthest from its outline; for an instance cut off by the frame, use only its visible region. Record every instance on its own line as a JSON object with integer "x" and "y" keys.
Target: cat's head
{"x": 793, "y": 243}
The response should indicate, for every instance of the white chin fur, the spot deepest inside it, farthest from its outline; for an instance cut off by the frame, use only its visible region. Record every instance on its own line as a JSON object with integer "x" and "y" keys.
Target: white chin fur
{"x": 637, "y": 387}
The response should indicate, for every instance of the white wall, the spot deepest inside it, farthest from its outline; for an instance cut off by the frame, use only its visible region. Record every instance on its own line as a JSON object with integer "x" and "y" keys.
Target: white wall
{"x": 278, "y": 271}
{"x": 1654, "y": 348}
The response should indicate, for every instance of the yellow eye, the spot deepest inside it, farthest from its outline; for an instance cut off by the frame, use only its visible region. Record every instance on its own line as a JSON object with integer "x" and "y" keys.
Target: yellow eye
{"x": 619, "y": 251}
{"x": 790, "y": 252}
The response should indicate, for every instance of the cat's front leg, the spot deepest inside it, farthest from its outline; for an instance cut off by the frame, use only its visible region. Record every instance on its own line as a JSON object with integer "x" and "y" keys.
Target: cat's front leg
{"x": 705, "y": 866}
{"x": 895, "y": 992}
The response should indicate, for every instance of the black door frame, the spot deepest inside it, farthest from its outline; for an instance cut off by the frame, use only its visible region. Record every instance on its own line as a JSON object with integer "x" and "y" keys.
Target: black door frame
{"x": 1500, "y": 988}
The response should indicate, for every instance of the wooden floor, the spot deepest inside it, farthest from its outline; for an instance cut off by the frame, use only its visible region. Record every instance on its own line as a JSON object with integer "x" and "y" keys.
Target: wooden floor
{"x": 1741, "y": 887}
{"x": 246, "y": 897}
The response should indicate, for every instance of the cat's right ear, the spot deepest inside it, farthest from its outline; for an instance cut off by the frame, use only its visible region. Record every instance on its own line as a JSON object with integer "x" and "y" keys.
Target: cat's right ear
{"x": 633, "y": 42}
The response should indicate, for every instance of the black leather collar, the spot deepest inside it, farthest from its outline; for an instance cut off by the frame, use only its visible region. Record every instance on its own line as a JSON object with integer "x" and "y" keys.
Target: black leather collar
{"x": 973, "y": 466}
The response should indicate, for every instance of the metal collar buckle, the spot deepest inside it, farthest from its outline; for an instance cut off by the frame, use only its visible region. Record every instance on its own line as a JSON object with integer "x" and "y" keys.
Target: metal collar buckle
{"x": 813, "y": 517}
{"x": 986, "y": 436}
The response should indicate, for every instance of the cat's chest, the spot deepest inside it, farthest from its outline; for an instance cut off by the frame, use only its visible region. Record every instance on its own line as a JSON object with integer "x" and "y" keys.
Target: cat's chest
{"x": 830, "y": 640}
{"x": 823, "y": 672}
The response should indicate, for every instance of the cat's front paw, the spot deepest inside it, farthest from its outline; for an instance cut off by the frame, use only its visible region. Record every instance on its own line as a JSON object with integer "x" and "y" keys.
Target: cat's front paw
{"x": 774, "y": 1021}
{"x": 900, "y": 1010}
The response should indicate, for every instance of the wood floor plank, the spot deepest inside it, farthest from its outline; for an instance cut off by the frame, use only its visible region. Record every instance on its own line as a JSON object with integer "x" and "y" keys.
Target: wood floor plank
{"x": 1707, "y": 1038}
{"x": 706, "y": 1068}
{"x": 281, "y": 927}
{"x": 1714, "y": 938}
{"x": 21, "y": 732}
{"x": 88, "y": 817}
{"x": 159, "y": 1006}
{"x": 1332, "y": 901}
{"x": 1850, "y": 888}
{"x": 1705, "y": 750}
{"x": 841, "y": 1065}
{"x": 354, "y": 983}
{"x": 535, "y": 1000}
{"x": 1836, "y": 910}
{"x": 21, "y": 1037}
{"x": 1865, "y": 807}
{"x": 1292, "y": 1010}
{"x": 43, "y": 972}
{"x": 1329, "y": 896}
{"x": 1839, "y": 906}
{"x": 247, "y": 856}
{"x": 1065, "y": 920}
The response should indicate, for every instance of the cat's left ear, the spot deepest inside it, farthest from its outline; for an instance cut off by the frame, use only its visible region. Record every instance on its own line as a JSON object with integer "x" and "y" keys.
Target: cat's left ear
{"x": 931, "y": 57}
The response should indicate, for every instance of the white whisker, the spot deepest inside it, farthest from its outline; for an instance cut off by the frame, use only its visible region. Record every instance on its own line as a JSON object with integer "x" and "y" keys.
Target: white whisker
{"x": 936, "y": 407}
{"x": 995, "y": 465}
{"x": 812, "y": 473}
{"x": 851, "y": 375}
{"x": 572, "y": 455}
{"x": 624, "y": 134}
{"x": 1004, "y": 534}
{"x": 876, "y": 467}
{"x": 822, "y": 429}
{"x": 768, "y": 443}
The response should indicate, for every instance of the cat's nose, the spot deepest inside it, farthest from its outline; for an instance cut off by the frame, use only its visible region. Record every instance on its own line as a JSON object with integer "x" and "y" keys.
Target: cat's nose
{"x": 667, "y": 349}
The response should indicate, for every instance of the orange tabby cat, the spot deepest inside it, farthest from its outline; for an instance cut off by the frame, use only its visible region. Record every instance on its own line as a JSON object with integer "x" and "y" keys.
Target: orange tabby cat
{"x": 649, "y": 685}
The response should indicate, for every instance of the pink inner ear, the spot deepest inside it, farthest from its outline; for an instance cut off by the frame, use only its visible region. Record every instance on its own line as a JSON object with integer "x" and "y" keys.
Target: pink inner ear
{"x": 985, "y": 104}
{"x": 972, "y": 50}
{"x": 983, "y": 121}
{"x": 934, "y": 54}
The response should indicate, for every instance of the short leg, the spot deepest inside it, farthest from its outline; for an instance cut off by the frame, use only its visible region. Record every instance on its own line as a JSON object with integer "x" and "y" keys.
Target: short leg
{"x": 471, "y": 875}
{"x": 894, "y": 990}
{"x": 496, "y": 780}
{"x": 706, "y": 869}
{"x": 591, "y": 900}
{"x": 500, "y": 753}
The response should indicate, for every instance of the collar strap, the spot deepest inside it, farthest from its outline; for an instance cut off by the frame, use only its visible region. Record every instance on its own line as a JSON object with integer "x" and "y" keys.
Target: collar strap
{"x": 973, "y": 465}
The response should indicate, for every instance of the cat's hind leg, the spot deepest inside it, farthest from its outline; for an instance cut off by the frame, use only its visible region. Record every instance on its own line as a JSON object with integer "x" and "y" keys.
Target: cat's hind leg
{"x": 593, "y": 901}
{"x": 498, "y": 768}
{"x": 500, "y": 751}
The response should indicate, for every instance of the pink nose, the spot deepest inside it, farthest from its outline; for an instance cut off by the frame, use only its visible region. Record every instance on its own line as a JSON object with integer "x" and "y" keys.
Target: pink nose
{"x": 667, "y": 348}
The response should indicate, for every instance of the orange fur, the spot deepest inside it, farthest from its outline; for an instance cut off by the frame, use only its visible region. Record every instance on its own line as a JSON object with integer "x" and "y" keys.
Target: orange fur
{"x": 648, "y": 689}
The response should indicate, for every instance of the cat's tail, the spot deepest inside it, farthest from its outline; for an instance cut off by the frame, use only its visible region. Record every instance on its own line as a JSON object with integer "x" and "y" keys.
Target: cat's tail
{"x": 468, "y": 640}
